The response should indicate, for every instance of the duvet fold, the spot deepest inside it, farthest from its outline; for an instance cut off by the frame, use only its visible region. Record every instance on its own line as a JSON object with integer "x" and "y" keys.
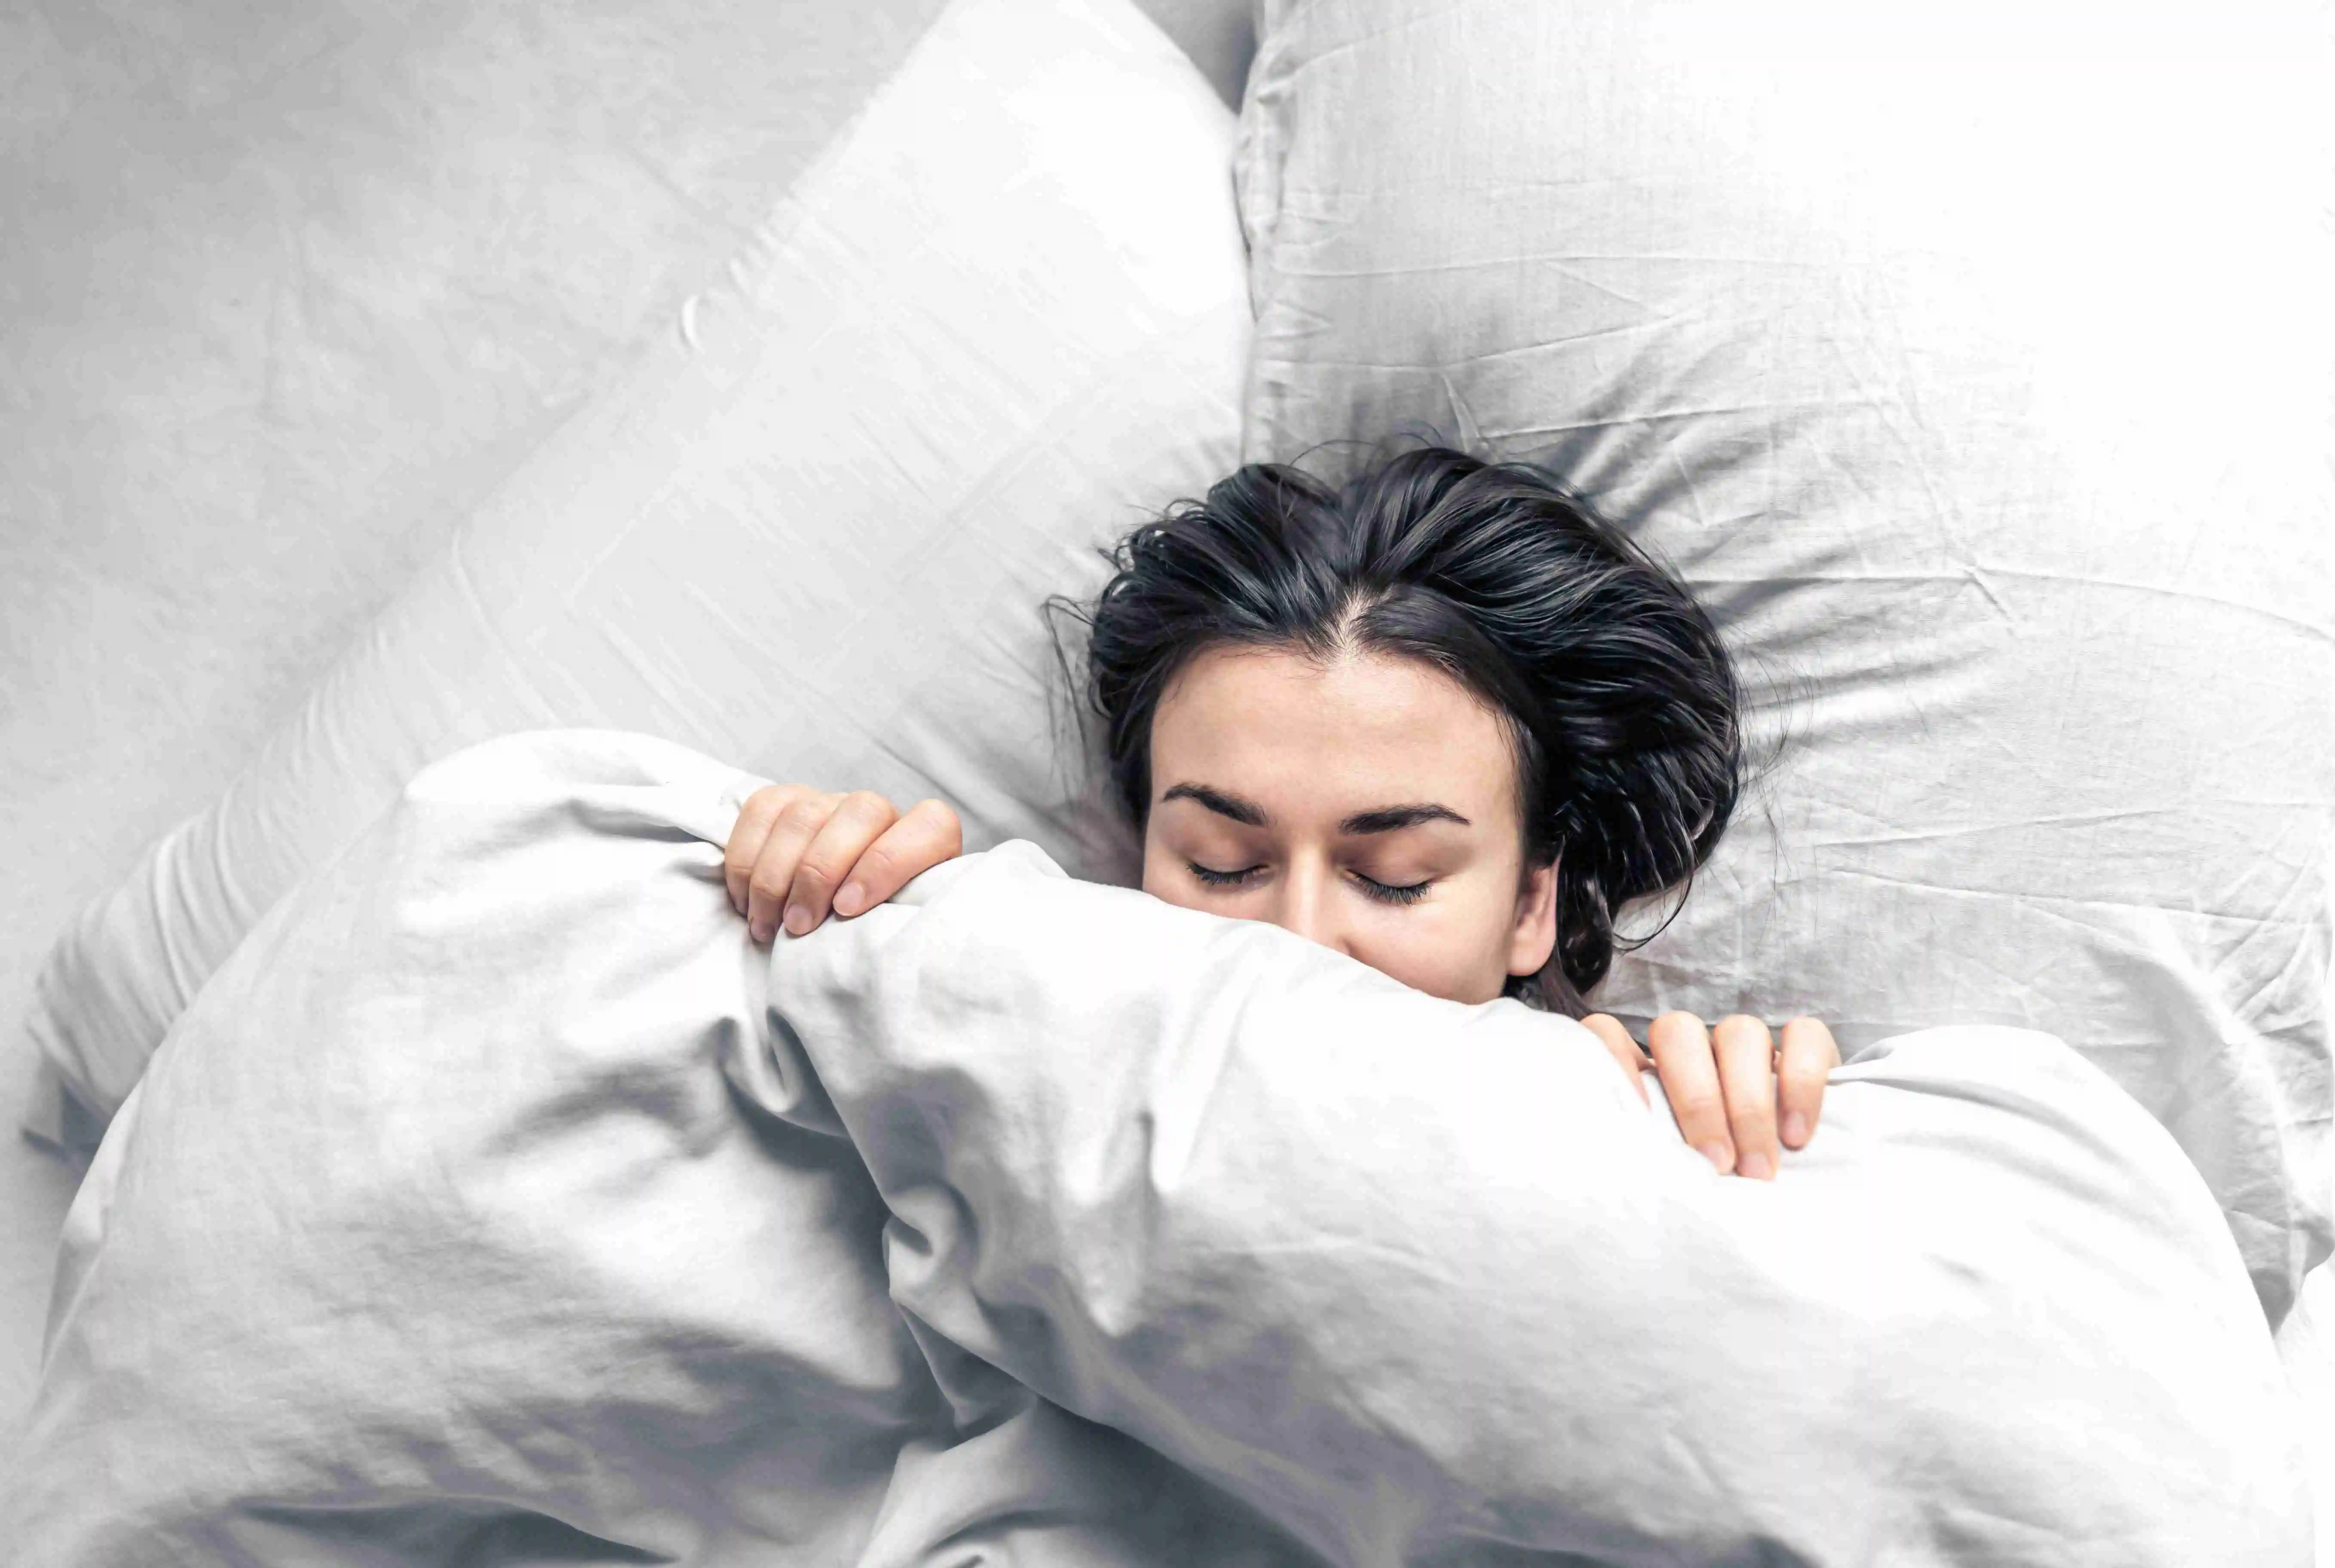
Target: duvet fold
{"x": 1424, "y": 1284}
{"x": 501, "y": 1201}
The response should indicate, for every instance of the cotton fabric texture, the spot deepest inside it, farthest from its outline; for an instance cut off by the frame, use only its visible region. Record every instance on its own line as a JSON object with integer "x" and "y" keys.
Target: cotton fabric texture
{"x": 997, "y": 323}
{"x": 500, "y": 1199}
{"x": 1977, "y": 371}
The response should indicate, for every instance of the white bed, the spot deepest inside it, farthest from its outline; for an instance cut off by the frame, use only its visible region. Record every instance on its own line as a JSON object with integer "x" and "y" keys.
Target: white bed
{"x": 296, "y": 288}
{"x": 297, "y": 295}
{"x": 498, "y": 1187}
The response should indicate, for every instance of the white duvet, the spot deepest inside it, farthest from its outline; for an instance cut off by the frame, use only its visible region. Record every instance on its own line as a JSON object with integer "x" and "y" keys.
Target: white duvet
{"x": 499, "y": 1202}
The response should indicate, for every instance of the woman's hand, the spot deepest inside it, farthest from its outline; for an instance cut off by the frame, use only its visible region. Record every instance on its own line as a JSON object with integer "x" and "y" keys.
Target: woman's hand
{"x": 1728, "y": 1086}
{"x": 797, "y": 852}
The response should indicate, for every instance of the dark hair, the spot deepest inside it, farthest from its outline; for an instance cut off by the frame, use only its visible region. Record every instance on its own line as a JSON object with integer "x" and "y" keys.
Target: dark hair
{"x": 1618, "y": 696}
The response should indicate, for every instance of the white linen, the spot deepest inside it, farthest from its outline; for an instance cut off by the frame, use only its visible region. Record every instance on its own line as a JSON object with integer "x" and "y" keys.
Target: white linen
{"x": 1002, "y": 319}
{"x": 465, "y": 1217}
{"x": 1976, "y": 367}
{"x": 287, "y": 285}
{"x": 490, "y": 1200}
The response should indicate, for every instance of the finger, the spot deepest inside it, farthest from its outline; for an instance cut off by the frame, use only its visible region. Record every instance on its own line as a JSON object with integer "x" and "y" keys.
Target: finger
{"x": 1747, "y": 1077}
{"x": 748, "y": 835}
{"x": 1808, "y": 1057}
{"x": 858, "y": 821}
{"x": 1689, "y": 1074}
{"x": 1616, "y": 1039}
{"x": 925, "y": 835}
{"x": 774, "y": 868}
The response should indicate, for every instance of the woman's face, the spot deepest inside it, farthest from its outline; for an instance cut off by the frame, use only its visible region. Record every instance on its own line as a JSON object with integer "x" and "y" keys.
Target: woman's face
{"x": 1369, "y": 805}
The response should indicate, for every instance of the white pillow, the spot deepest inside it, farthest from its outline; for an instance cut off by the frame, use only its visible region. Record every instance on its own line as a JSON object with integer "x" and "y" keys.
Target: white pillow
{"x": 1976, "y": 374}
{"x": 1000, "y": 320}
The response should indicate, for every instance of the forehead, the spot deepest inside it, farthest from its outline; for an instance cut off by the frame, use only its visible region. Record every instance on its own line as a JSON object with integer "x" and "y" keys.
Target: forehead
{"x": 1306, "y": 739}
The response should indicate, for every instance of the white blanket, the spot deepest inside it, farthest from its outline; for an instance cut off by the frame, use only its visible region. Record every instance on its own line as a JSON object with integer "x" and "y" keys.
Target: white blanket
{"x": 498, "y": 1201}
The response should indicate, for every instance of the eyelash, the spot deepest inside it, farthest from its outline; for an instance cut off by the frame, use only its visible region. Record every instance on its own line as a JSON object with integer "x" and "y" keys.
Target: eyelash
{"x": 1381, "y": 891}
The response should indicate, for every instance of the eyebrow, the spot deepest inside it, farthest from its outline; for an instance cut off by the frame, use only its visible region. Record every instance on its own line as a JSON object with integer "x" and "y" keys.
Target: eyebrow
{"x": 1384, "y": 819}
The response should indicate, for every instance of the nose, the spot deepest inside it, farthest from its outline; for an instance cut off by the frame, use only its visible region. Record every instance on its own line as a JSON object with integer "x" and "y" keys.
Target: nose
{"x": 1306, "y": 908}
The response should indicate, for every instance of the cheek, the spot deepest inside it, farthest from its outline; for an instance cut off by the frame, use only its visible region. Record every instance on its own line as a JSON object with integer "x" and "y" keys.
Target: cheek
{"x": 1158, "y": 880}
{"x": 1167, "y": 877}
{"x": 1170, "y": 893}
{"x": 1455, "y": 946}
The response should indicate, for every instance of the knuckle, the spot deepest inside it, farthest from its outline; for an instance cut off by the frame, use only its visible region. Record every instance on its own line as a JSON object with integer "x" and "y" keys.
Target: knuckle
{"x": 768, "y": 804}
{"x": 1697, "y": 1108}
{"x": 804, "y": 813}
{"x": 1809, "y": 1037}
{"x": 1801, "y": 1079}
{"x": 943, "y": 816}
{"x": 866, "y": 803}
{"x": 815, "y": 875}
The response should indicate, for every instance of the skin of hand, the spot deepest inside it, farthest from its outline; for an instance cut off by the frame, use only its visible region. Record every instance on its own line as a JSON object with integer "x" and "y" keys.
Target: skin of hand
{"x": 798, "y": 853}
{"x": 1729, "y": 1085}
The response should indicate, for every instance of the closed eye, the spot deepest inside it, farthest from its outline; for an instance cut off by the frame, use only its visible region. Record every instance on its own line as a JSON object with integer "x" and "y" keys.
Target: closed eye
{"x": 1382, "y": 892}
{"x": 1387, "y": 893}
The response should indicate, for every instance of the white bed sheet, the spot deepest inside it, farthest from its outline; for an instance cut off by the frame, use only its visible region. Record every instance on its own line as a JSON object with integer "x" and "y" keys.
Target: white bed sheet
{"x": 164, "y": 593}
{"x": 1415, "y": 1281}
{"x": 295, "y": 287}
{"x": 290, "y": 287}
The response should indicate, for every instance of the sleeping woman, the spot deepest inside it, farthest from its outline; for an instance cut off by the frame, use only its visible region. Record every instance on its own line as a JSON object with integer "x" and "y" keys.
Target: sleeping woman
{"x": 1444, "y": 720}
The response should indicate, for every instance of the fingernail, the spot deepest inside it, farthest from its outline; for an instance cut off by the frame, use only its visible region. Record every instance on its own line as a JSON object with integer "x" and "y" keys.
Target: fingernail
{"x": 798, "y": 920}
{"x": 1756, "y": 1166}
{"x": 847, "y": 898}
{"x": 759, "y": 930}
{"x": 1796, "y": 1128}
{"x": 1721, "y": 1158}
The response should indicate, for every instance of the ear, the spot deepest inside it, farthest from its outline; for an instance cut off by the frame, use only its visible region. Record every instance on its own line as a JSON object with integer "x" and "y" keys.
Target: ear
{"x": 1533, "y": 935}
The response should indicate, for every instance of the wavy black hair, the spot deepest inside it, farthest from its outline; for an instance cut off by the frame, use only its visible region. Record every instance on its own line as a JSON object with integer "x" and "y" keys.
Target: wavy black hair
{"x": 1618, "y": 696}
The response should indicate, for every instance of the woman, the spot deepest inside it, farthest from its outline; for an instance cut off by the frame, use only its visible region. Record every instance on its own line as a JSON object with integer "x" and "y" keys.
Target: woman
{"x": 1445, "y": 721}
